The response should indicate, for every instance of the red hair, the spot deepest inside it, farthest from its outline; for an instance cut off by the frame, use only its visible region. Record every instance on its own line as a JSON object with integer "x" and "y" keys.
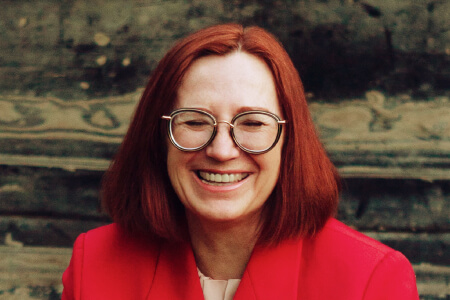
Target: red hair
{"x": 137, "y": 192}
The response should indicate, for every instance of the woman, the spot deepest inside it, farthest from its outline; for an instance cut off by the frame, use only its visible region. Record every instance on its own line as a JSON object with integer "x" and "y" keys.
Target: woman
{"x": 222, "y": 189}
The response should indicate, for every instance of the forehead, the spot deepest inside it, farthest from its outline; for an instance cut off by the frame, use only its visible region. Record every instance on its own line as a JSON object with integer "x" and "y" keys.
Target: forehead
{"x": 228, "y": 82}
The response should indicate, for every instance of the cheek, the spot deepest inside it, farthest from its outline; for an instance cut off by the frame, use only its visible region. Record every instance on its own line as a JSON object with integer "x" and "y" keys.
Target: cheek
{"x": 274, "y": 159}
{"x": 177, "y": 163}
{"x": 270, "y": 164}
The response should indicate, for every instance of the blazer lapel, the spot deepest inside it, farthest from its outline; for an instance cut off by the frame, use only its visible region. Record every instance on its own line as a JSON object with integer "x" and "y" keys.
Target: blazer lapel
{"x": 272, "y": 273}
{"x": 176, "y": 274}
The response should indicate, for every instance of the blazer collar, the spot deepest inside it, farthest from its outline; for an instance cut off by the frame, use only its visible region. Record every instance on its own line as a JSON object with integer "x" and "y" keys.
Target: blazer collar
{"x": 272, "y": 273}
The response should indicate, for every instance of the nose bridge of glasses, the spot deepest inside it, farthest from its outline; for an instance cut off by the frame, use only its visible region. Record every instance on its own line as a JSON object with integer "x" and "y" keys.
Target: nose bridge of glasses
{"x": 229, "y": 132}
{"x": 226, "y": 122}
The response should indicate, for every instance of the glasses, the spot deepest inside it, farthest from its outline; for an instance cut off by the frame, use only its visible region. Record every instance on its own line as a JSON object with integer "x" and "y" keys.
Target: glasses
{"x": 253, "y": 131}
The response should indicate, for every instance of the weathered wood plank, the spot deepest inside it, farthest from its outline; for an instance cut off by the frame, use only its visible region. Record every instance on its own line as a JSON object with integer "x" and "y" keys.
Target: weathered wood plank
{"x": 367, "y": 203}
{"x": 58, "y": 148}
{"x": 433, "y": 280}
{"x": 49, "y": 192}
{"x": 32, "y": 272}
{"x": 65, "y": 163}
{"x": 107, "y": 47}
{"x": 346, "y": 171}
{"x": 35, "y": 273}
{"x": 373, "y": 172}
{"x": 372, "y": 137}
{"x": 418, "y": 247}
{"x": 34, "y": 265}
{"x": 102, "y": 120}
{"x": 48, "y": 231}
{"x": 390, "y": 123}
{"x": 396, "y": 205}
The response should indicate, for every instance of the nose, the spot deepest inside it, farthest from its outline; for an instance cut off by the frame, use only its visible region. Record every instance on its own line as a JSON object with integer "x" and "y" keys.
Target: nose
{"x": 223, "y": 147}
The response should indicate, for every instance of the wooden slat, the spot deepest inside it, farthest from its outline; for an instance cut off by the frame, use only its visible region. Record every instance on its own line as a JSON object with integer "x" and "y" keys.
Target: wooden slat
{"x": 431, "y": 248}
{"x": 65, "y": 163}
{"x": 395, "y": 205}
{"x": 423, "y": 173}
{"x": 366, "y": 203}
{"x": 51, "y": 232}
{"x": 101, "y": 164}
{"x": 32, "y": 272}
{"x": 49, "y": 192}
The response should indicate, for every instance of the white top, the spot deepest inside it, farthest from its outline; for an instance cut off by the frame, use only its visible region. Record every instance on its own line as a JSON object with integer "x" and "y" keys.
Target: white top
{"x": 218, "y": 289}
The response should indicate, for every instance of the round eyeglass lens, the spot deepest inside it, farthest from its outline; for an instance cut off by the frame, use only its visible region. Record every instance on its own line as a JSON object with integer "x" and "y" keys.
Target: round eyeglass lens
{"x": 191, "y": 129}
{"x": 256, "y": 131}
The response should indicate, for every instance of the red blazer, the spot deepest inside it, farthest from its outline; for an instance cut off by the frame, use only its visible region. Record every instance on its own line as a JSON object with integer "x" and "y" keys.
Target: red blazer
{"x": 338, "y": 263}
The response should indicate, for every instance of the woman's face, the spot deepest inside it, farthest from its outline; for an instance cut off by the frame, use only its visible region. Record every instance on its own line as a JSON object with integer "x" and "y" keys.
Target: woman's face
{"x": 225, "y": 86}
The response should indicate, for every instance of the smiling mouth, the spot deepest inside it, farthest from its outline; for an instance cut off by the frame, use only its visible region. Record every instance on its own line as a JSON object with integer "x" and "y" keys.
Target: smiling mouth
{"x": 221, "y": 179}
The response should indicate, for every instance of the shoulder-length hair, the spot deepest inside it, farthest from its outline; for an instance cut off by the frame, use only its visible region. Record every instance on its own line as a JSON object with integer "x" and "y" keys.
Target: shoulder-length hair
{"x": 136, "y": 190}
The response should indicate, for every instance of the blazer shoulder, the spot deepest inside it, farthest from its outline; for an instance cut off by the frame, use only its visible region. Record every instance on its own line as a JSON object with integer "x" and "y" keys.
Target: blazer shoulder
{"x": 112, "y": 239}
{"x": 102, "y": 234}
{"x": 347, "y": 238}
{"x": 352, "y": 264}
{"x": 107, "y": 263}
{"x": 338, "y": 245}
{"x": 392, "y": 278}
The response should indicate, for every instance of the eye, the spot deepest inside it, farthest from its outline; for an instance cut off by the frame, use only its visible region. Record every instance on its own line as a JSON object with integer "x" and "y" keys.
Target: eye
{"x": 192, "y": 120}
{"x": 252, "y": 123}
{"x": 255, "y": 123}
{"x": 196, "y": 123}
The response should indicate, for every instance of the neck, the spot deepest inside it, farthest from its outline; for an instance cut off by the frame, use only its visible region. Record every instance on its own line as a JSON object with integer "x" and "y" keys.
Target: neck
{"x": 221, "y": 250}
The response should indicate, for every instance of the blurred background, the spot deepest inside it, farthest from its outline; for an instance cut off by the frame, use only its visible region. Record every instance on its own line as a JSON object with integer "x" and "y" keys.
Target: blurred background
{"x": 376, "y": 73}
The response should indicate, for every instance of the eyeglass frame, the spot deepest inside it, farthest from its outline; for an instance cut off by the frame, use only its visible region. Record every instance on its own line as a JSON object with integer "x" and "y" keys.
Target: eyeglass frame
{"x": 216, "y": 123}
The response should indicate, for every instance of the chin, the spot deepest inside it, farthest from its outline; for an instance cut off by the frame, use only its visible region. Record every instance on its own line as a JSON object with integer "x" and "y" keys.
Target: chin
{"x": 224, "y": 215}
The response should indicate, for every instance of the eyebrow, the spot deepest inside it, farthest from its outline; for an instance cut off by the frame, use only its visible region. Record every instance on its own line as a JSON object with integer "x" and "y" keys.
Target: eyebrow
{"x": 240, "y": 110}
{"x": 247, "y": 108}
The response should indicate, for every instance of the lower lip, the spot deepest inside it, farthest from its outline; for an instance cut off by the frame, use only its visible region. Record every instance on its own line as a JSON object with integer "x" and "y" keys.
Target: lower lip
{"x": 220, "y": 188}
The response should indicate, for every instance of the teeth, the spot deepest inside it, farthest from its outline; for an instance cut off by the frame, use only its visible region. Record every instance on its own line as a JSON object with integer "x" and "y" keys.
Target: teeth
{"x": 225, "y": 178}
{"x": 222, "y": 178}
